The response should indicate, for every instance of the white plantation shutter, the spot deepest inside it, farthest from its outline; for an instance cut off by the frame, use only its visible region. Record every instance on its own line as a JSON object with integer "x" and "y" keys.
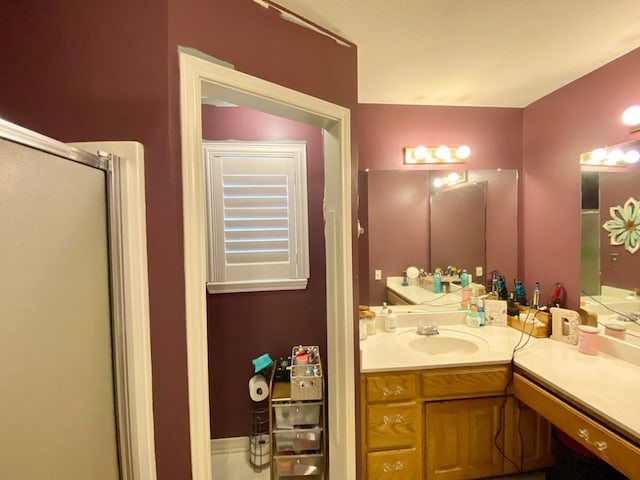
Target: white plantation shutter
{"x": 257, "y": 215}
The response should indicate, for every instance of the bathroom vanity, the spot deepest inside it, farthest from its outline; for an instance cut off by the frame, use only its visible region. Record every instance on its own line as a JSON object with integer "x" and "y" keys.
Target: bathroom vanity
{"x": 439, "y": 416}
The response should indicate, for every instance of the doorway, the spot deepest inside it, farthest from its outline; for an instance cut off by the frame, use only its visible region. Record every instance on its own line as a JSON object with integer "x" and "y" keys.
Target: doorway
{"x": 200, "y": 76}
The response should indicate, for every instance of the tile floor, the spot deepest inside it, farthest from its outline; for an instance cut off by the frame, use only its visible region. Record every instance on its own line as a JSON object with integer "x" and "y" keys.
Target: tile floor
{"x": 236, "y": 466}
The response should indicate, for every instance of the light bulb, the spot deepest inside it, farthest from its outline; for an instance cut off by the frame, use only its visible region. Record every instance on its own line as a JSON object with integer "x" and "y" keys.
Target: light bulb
{"x": 598, "y": 155}
{"x": 443, "y": 152}
{"x": 438, "y": 182}
{"x": 631, "y": 116}
{"x": 632, "y": 156}
{"x": 420, "y": 152}
{"x": 614, "y": 156}
{"x": 463, "y": 152}
{"x": 453, "y": 177}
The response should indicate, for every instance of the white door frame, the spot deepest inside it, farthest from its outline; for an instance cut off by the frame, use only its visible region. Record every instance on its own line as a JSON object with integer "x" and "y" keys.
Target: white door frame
{"x": 199, "y": 76}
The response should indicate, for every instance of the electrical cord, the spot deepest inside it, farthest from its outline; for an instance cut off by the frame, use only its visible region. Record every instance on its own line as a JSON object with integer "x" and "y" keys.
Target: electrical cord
{"x": 519, "y": 346}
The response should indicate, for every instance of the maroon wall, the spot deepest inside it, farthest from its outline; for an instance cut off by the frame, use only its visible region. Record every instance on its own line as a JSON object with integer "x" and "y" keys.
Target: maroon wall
{"x": 557, "y": 128}
{"x": 615, "y": 189}
{"x": 82, "y": 71}
{"x": 243, "y": 326}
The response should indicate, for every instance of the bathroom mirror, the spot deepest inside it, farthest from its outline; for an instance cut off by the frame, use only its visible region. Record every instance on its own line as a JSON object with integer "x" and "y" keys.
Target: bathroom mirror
{"x": 459, "y": 243}
{"x": 395, "y": 212}
{"x": 606, "y": 268}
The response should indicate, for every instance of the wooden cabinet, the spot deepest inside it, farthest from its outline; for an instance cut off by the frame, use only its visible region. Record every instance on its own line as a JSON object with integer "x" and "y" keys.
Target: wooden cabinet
{"x": 528, "y": 443}
{"x": 462, "y": 438}
{"x": 395, "y": 299}
{"x": 391, "y": 427}
{"x": 447, "y": 423}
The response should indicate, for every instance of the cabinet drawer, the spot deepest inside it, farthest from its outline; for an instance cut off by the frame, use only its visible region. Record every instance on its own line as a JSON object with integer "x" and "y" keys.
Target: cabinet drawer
{"x": 390, "y": 388}
{"x": 591, "y": 434}
{"x": 393, "y": 465}
{"x": 393, "y": 425}
{"x": 290, "y": 415}
{"x": 464, "y": 382}
{"x": 298, "y": 440}
{"x": 298, "y": 465}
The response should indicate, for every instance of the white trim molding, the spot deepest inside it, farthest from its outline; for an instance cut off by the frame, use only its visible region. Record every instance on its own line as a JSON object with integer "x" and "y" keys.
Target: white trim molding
{"x": 197, "y": 77}
{"x": 135, "y": 291}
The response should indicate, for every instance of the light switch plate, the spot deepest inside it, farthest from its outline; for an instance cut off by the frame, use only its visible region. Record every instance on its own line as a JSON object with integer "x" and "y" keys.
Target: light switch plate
{"x": 479, "y": 272}
{"x": 377, "y": 274}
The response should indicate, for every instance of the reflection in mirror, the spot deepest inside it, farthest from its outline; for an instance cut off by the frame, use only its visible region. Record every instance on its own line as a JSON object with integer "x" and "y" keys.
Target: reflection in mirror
{"x": 607, "y": 271}
{"x": 395, "y": 212}
{"x": 457, "y": 227}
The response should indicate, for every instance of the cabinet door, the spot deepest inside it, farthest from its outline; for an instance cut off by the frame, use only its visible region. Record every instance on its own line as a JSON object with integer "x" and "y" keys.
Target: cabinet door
{"x": 393, "y": 425}
{"x": 461, "y": 439}
{"x": 527, "y": 439}
{"x": 394, "y": 465}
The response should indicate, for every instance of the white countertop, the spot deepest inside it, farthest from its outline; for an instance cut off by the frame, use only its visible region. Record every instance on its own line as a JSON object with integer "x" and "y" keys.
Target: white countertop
{"x": 602, "y": 383}
{"x": 425, "y": 299}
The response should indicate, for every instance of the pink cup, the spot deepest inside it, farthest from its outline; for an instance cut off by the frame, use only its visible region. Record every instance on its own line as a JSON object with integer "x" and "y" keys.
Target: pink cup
{"x": 616, "y": 331}
{"x": 588, "y": 339}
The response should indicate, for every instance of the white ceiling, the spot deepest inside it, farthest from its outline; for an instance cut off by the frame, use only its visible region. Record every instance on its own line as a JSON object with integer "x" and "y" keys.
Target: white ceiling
{"x": 505, "y": 53}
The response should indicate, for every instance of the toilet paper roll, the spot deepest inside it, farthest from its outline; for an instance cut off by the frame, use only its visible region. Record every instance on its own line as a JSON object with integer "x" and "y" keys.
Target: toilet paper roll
{"x": 258, "y": 388}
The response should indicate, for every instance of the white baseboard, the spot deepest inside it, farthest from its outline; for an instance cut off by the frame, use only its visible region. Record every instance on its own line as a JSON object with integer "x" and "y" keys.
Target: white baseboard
{"x": 221, "y": 446}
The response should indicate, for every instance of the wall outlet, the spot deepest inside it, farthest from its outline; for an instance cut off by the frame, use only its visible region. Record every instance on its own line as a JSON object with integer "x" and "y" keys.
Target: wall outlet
{"x": 479, "y": 272}
{"x": 377, "y": 274}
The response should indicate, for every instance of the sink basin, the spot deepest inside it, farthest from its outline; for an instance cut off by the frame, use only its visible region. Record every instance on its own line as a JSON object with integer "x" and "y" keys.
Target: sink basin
{"x": 448, "y": 342}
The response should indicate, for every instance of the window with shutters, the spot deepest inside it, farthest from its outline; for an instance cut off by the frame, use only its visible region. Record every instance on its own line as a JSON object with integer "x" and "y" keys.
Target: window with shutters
{"x": 257, "y": 229}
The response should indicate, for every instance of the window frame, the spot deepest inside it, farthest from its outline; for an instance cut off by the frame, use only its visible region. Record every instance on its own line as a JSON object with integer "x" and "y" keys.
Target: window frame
{"x": 217, "y": 270}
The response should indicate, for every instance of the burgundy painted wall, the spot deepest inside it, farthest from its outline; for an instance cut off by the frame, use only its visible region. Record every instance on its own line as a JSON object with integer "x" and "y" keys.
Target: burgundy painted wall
{"x": 80, "y": 71}
{"x": 557, "y": 128}
{"x": 494, "y": 135}
{"x": 243, "y": 326}
{"x": 615, "y": 189}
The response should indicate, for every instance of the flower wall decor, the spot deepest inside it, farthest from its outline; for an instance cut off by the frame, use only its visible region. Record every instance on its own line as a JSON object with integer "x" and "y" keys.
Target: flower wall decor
{"x": 624, "y": 226}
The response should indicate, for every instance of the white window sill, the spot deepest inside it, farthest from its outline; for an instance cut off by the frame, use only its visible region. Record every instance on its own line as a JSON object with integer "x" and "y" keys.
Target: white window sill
{"x": 257, "y": 285}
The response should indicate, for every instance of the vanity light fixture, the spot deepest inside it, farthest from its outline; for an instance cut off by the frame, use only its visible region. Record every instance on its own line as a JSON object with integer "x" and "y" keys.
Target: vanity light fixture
{"x": 450, "y": 179}
{"x": 631, "y": 117}
{"x": 614, "y": 157}
{"x": 441, "y": 154}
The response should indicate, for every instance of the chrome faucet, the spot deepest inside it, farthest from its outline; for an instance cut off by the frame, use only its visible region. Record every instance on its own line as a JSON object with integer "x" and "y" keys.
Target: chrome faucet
{"x": 427, "y": 329}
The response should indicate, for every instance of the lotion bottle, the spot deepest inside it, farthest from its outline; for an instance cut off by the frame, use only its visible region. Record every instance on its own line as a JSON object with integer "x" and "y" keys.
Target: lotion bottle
{"x": 390, "y": 322}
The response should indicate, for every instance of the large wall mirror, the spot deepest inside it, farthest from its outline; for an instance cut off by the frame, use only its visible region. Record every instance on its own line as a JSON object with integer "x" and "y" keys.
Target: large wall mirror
{"x": 607, "y": 267}
{"x": 395, "y": 209}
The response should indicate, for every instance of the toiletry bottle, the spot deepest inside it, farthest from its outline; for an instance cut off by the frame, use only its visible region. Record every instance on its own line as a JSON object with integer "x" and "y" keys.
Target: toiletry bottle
{"x": 480, "y": 306}
{"x": 390, "y": 322}
{"x": 437, "y": 283}
{"x": 535, "y": 300}
{"x": 464, "y": 279}
{"x": 521, "y": 295}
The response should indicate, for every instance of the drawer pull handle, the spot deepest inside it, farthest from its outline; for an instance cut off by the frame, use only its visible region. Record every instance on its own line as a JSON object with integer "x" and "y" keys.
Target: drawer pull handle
{"x": 399, "y": 419}
{"x": 388, "y": 468}
{"x": 398, "y": 391}
{"x": 584, "y": 434}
